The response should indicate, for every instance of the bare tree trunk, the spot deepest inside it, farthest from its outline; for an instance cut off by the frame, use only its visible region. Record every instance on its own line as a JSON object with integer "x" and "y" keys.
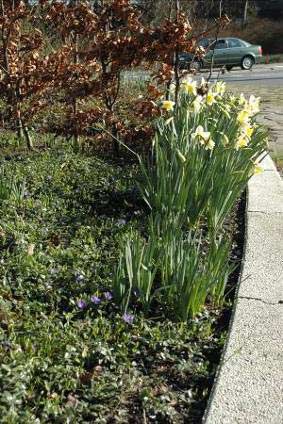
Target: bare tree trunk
{"x": 75, "y": 102}
{"x": 245, "y": 12}
{"x": 176, "y": 58}
{"x": 27, "y": 137}
{"x": 19, "y": 123}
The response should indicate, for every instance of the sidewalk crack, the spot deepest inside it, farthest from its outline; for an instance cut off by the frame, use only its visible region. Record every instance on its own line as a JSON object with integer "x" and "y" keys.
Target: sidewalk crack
{"x": 261, "y": 300}
{"x": 266, "y": 213}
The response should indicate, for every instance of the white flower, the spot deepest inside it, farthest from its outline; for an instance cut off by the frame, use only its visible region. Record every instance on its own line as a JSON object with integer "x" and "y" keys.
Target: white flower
{"x": 209, "y": 145}
{"x": 210, "y": 98}
{"x": 190, "y": 87}
{"x": 196, "y": 104}
{"x": 200, "y": 133}
{"x": 220, "y": 88}
{"x": 203, "y": 82}
{"x": 168, "y": 105}
{"x": 253, "y": 104}
{"x": 242, "y": 99}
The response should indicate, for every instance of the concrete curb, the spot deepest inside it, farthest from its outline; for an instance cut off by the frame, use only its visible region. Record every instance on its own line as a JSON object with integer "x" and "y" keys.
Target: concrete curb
{"x": 248, "y": 388}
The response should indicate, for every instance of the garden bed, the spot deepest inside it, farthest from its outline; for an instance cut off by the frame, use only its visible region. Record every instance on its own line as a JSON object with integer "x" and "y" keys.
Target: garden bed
{"x": 60, "y": 233}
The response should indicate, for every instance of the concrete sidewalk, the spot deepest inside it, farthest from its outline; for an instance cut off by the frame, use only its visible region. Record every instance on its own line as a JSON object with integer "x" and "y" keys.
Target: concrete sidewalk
{"x": 249, "y": 385}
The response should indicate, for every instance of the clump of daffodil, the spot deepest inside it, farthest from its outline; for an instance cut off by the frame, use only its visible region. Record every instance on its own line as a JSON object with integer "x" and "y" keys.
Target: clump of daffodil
{"x": 203, "y": 137}
{"x": 210, "y": 98}
{"x": 167, "y": 105}
{"x": 190, "y": 87}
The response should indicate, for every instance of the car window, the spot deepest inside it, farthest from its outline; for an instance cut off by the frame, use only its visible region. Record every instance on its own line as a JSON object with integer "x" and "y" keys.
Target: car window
{"x": 233, "y": 42}
{"x": 245, "y": 43}
{"x": 204, "y": 42}
{"x": 219, "y": 44}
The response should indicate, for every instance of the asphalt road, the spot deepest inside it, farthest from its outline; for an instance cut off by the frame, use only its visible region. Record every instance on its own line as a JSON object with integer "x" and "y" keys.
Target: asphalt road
{"x": 268, "y": 74}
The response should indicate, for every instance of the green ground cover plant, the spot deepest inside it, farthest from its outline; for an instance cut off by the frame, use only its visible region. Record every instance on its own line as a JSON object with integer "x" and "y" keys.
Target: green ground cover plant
{"x": 67, "y": 353}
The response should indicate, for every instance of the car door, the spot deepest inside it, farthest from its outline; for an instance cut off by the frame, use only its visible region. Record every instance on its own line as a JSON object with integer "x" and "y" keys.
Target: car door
{"x": 236, "y": 51}
{"x": 217, "y": 53}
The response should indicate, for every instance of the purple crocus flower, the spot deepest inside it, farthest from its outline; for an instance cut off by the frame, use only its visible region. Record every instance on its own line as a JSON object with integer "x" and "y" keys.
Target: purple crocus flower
{"x": 95, "y": 299}
{"x": 128, "y": 318}
{"x": 81, "y": 304}
{"x": 108, "y": 295}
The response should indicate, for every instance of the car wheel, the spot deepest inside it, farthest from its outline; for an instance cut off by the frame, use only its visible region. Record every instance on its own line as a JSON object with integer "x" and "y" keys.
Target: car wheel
{"x": 195, "y": 65}
{"x": 229, "y": 67}
{"x": 247, "y": 62}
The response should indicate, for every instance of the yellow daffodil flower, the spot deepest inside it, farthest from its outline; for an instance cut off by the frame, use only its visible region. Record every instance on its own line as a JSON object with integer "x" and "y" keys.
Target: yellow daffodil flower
{"x": 241, "y": 142}
{"x": 167, "y": 105}
{"x": 190, "y": 87}
{"x": 243, "y": 117}
{"x": 210, "y": 98}
{"x": 203, "y": 137}
{"x": 209, "y": 145}
{"x": 248, "y": 131}
{"x": 257, "y": 169}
